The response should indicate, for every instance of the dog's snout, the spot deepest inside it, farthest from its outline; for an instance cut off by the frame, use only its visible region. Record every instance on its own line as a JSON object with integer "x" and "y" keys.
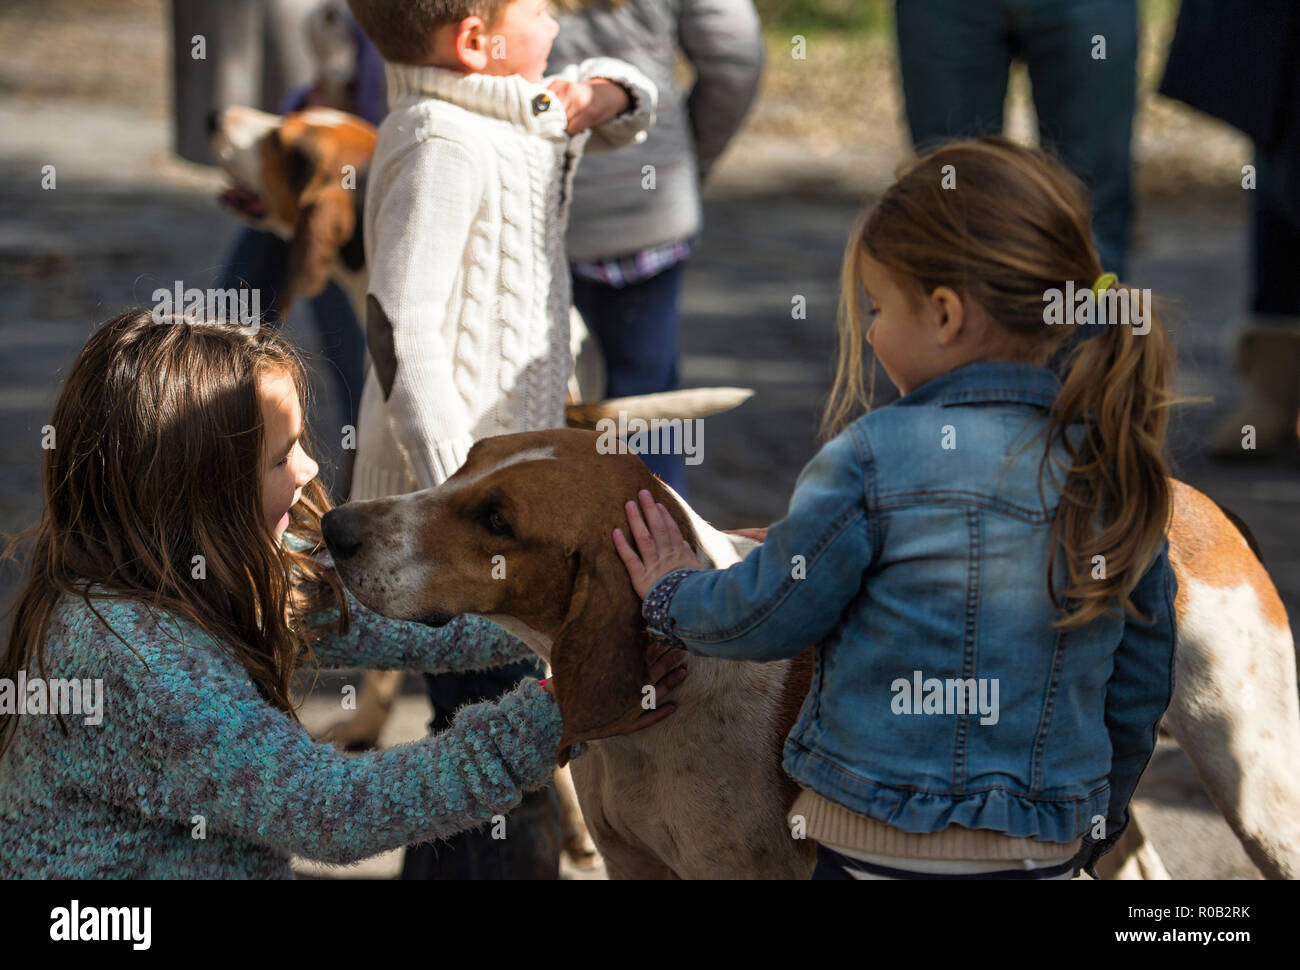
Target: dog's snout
{"x": 341, "y": 528}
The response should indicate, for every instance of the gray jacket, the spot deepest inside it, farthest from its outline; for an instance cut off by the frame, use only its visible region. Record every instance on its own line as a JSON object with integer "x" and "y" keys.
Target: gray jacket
{"x": 611, "y": 213}
{"x": 255, "y": 53}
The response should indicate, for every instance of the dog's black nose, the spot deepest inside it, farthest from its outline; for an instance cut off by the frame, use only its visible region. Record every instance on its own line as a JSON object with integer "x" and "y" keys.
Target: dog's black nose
{"x": 213, "y": 115}
{"x": 342, "y": 530}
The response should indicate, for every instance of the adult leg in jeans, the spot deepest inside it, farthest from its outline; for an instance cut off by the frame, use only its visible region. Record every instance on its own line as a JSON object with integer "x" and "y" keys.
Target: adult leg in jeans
{"x": 1268, "y": 346}
{"x": 637, "y": 329}
{"x": 260, "y": 260}
{"x": 1085, "y": 104}
{"x": 954, "y": 56}
{"x": 344, "y": 345}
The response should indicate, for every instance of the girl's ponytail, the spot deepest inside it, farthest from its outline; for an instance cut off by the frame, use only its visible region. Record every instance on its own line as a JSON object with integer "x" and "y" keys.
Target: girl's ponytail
{"x": 1116, "y": 500}
{"x": 1016, "y": 225}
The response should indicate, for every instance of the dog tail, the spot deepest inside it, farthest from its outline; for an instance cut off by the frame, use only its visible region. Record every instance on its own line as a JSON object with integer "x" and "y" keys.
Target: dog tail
{"x": 692, "y": 402}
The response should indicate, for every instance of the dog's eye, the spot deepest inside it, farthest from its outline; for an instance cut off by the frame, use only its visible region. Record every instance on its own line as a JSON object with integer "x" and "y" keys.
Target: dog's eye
{"x": 498, "y": 524}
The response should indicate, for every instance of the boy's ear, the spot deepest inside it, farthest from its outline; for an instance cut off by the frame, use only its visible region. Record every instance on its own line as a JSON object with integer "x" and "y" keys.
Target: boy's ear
{"x": 471, "y": 43}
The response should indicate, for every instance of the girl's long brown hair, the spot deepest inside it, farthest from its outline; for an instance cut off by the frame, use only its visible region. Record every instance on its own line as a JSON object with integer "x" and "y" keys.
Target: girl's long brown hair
{"x": 153, "y": 457}
{"x": 1015, "y": 225}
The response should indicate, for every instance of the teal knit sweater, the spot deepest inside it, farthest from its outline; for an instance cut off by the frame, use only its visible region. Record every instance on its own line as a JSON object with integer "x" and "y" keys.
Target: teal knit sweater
{"x": 187, "y": 747}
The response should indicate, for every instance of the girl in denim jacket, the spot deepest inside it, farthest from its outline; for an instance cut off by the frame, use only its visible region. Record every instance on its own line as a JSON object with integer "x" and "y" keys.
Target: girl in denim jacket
{"x": 982, "y": 564}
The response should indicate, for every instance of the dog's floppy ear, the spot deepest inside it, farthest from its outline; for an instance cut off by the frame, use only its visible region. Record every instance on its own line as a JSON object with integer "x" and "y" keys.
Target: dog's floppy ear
{"x": 599, "y": 654}
{"x": 325, "y": 223}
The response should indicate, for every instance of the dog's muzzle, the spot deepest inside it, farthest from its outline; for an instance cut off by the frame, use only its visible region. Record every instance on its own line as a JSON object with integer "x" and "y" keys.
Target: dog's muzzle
{"x": 341, "y": 528}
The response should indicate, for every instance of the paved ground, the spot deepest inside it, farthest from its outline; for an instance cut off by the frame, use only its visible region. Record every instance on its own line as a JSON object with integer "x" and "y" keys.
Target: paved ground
{"x": 91, "y": 98}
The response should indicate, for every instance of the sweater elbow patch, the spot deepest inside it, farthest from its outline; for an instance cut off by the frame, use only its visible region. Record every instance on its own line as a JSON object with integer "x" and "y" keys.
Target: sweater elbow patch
{"x": 379, "y": 341}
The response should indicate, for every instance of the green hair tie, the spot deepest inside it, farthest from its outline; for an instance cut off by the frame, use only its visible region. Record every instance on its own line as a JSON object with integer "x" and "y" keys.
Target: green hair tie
{"x": 1104, "y": 282}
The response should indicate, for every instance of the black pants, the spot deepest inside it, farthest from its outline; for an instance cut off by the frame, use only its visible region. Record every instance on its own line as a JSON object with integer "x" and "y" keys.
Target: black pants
{"x": 531, "y": 848}
{"x": 1276, "y": 245}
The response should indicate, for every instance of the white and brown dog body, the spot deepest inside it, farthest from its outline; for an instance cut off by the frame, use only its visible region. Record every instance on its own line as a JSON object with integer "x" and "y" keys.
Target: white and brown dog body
{"x": 703, "y": 795}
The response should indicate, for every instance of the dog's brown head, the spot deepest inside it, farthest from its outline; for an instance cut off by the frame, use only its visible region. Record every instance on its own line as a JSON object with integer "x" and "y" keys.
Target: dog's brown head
{"x": 303, "y": 178}
{"x": 520, "y": 534}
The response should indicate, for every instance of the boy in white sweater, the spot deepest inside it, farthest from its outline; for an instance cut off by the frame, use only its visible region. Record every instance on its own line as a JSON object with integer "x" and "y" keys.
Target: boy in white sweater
{"x": 467, "y": 314}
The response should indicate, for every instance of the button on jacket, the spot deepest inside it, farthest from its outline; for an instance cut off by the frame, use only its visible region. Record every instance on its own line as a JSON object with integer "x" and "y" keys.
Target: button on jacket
{"x": 917, "y": 541}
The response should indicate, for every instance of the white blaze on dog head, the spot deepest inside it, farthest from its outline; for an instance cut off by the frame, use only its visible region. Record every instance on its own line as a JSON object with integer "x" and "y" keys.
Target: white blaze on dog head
{"x": 522, "y": 533}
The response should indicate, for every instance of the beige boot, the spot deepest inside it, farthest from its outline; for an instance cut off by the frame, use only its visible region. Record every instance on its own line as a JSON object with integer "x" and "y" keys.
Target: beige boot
{"x": 1264, "y": 423}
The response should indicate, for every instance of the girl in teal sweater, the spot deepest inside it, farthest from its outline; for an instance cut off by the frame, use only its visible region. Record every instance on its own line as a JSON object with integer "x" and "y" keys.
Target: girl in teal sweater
{"x": 176, "y": 582}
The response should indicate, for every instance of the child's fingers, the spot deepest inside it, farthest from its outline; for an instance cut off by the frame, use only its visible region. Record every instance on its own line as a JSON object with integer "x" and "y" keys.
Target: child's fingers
{"x": 649, "y": 517}
{"x": 645, "y": 543}
{"x": 674, "y": 533}
{"x": 661, "y": 696}
{"x": 648, "y": 718}
{"x": 658, "y": 531}
{"x": 663, "y": 706}
{"x": 666, "y": 663}
{"x": 674, "y": 542}
{"x": 630, "y": 559}
{"x": 665, "y": 685}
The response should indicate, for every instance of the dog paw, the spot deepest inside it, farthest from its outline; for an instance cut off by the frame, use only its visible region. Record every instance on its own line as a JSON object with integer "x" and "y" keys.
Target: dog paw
{"x": 350, "y": 737}
{"x": 580, "y": 849}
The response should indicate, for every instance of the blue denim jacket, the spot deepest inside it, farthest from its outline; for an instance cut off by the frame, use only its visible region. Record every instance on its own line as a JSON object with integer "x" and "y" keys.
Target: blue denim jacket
{"x": 916, "y": 540}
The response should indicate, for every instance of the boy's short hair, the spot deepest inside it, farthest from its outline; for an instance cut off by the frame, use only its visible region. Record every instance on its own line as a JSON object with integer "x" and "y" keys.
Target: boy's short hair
{"x": 402, "y": 30}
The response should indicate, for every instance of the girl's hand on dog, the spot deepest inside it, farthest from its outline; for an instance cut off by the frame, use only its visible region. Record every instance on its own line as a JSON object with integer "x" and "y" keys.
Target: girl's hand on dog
{"x": 661, "y": 546}
{"x": 590, "y": 104}
{"x": 667, "y": 671}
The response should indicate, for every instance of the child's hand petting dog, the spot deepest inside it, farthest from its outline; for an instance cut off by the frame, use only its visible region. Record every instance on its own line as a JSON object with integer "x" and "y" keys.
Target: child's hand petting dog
{"x": 589, "y": 104}
{"x": 662, "y": 548}
{"x": 667, "y": 671}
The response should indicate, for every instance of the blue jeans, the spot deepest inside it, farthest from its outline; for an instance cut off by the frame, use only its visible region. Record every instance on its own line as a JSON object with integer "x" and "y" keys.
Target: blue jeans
{"x": 637, "y": 329}
{"x": 260, "y": 260}
{"x": 954, "y": 56}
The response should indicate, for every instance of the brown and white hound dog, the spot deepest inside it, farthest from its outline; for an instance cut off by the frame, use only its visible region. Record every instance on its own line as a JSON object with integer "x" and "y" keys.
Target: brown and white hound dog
{"x": 303, "y": 178}
{"x": 703, "y": 795}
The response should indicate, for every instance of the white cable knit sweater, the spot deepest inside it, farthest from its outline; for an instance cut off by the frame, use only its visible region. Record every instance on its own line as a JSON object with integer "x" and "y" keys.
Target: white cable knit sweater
{"x": 467, "y": 313}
